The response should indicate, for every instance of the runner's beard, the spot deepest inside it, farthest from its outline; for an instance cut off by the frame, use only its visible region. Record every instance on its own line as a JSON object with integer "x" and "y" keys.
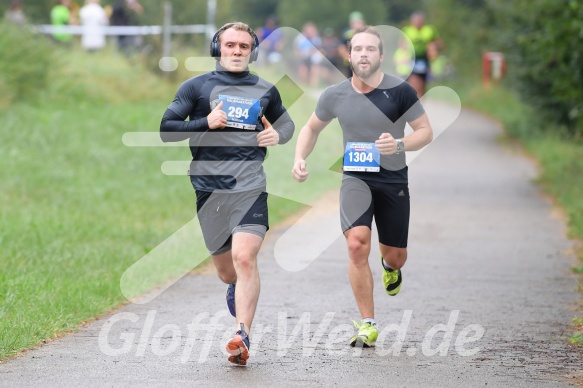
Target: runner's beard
{"x": 364, "y": 74}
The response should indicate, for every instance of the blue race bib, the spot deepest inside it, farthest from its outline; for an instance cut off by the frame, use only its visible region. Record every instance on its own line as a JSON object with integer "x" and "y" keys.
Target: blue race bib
{"x": 241, "y": 112}
{"x": 364, "y": 157}
{"x": 420, "y": 66}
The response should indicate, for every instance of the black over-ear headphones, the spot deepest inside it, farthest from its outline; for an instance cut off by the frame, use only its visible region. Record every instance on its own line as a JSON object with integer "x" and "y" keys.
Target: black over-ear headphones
{"x": 216, "y": 45}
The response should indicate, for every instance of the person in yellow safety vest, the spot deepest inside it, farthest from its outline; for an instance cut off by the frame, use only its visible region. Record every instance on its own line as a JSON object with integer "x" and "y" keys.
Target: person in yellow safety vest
{"x": 403, "y": 59}
{"x": 421, "y": 36}
{"x": 439, "y": 64}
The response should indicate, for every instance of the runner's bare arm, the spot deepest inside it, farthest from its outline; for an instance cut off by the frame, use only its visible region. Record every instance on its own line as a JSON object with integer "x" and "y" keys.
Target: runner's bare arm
{"x": 305, "y": 145}
{"x": 421, "y": 136}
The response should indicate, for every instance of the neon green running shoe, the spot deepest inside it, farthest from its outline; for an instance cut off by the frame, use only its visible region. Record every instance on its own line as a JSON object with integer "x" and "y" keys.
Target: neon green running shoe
{"x": 366, "y": 337}
{"x": 391, "y": 279}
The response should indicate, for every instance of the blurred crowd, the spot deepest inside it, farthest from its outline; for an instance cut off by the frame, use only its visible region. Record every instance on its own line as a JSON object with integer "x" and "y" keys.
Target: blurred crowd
{"x": 320, "y": 56}
{"x": 316, "y": 56}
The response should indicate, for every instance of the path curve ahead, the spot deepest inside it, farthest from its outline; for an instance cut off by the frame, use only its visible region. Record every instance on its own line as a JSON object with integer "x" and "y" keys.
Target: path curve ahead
{"x": 487, "y": 299}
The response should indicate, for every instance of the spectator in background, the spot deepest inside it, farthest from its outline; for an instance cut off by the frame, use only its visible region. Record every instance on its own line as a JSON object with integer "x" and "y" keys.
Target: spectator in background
{"x": 356, "y": 22}
{"x": 271, "y": 41}
{"x": 135, "y": 6}
{"x": 124, "y": 13}
{"x": 422, "y": 36}
{"x": 403, "y": 59}
{"x": 330, "y": 49}
{"x": 440, "y": 67}
{"x": 119, "y": 17}
{"x": 306, "y": 46}
{"x": 93, "y": 19}
{"x": 14, "y": 14}
{"x": 61, "y": 16}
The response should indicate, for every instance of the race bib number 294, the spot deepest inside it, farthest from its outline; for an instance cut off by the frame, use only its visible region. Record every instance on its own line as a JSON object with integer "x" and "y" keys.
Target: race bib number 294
{"x": 241, "y": 112}
{"x": 363, "y": 157}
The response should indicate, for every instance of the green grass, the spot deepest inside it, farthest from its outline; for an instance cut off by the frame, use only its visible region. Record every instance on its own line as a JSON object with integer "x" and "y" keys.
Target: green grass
{"x": 78, "y": 207}
{"x": 576, "y": 339}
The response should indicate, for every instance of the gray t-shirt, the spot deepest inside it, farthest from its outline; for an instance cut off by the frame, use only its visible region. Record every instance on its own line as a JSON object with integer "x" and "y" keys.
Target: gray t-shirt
{"x": 363, "y": 117}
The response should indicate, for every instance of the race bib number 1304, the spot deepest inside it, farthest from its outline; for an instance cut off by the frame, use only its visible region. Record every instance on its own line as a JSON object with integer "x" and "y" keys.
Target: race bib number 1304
{"x": 363, "y": 157}
{"x": 241, "y": 112}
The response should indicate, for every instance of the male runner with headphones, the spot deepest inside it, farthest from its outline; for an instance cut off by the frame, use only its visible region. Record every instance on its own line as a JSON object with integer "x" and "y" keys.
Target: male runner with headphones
{"x": 230, "y": 111}
{"x": 372, "y": 109}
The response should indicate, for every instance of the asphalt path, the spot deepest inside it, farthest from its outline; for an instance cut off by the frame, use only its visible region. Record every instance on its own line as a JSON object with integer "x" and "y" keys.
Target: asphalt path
{"x": 487, "y": 298}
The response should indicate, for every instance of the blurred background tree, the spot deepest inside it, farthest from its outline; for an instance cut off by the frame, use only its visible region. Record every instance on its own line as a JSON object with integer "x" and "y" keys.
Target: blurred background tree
{"x": 330, "y": 13}
{"x": 543, "y": 40}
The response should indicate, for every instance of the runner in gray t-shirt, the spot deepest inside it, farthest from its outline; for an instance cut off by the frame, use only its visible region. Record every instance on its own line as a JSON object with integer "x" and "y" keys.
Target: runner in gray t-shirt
{"x": 372, "y": 108}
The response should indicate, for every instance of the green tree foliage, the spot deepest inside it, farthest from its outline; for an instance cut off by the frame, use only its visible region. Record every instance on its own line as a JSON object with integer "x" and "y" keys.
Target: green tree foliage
{"x": 541, "y": 40}
{"x": 399, "y": 11}
{"x": 254, "y": 12}
{"x": 466, "y": 28}
{"x": 544, "y": 40}
{"x": 330, "y": 13}
{"x": 184, "y": 12}
{"x": 37, "y": 12}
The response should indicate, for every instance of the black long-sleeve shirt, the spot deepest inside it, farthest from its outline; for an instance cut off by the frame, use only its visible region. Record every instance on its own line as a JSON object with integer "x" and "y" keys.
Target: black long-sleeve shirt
{"x": 228, "y": 158}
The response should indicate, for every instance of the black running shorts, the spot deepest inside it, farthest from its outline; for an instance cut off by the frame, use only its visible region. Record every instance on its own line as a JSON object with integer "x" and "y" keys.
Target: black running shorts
{"x": 388, "y": 203}
{"x": 222, "y": 214}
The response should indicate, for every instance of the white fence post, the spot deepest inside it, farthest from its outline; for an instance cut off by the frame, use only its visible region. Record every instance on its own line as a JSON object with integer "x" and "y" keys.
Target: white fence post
{"x": 211, "y": 12}
{"x": 167, "y": 34}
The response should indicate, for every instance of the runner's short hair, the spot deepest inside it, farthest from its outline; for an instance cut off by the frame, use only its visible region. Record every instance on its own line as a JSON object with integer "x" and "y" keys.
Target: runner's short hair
{"x": 238, "y": 26}
{"x": 367, "y": 30}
